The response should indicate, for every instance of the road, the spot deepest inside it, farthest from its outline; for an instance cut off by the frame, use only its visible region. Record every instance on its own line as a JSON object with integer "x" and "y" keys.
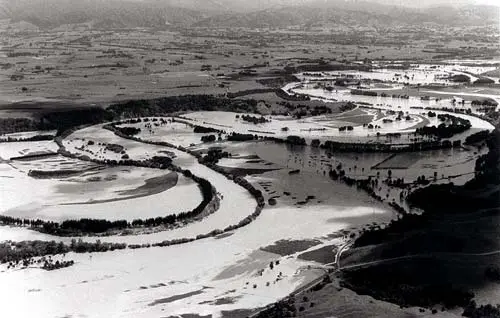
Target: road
{"x": 440, "y": 254}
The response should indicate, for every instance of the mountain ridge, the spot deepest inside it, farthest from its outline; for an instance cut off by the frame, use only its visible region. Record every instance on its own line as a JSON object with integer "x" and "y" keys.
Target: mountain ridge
{"x": 112, "y": 14}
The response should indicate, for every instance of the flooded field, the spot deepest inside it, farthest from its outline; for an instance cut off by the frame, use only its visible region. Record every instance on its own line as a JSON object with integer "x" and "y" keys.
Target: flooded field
{"x": 80, "y": 189}
{"x": 415, "y": 74}
{"x": 448, "y": 162}
{"x": 394, "y": 89}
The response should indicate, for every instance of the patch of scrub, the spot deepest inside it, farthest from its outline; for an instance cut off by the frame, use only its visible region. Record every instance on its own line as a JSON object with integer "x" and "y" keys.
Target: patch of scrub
{"x": 221, "y": 301}
{"x": 289, "y": 247}
{"x": 190, "y": 316}
{"x": 243, "y": 167}
{"x": 251, "y": 157}
{"x": 158, "y": 285}
{"x": 241, "y": 172}
{"x": 238, "y": 313}
{"x": 255, "y": 261}
{"x": 324, "y": 255}
{"x": 224, "y": 235}
{"x": 175, "y": 298}
{"x": 152, "y": 186}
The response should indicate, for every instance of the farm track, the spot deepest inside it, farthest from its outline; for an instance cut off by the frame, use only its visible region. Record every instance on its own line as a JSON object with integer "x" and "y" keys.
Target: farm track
{"x": 445, "y": 255}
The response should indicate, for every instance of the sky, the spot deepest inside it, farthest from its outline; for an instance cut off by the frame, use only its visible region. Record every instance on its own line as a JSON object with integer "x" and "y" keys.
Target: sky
{"x": 425, "y": 3}
{"x": 409, "y": 3}
{"x": 489, "y": 2}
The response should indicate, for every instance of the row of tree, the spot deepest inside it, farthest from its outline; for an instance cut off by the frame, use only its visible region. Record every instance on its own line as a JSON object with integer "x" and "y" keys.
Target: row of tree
{"x": 205, "y": 130}
{"x": 443, "y": 130}
{"x": 16, "y": 252}
{"x": 129, "y": 131}
{"x": 13, "y": 125}
{"x": 484, "y": 102}
{"x": 363, "y": 92}
{"x": 346, "y": 128}
{"x": 33, "y": 138}
{"x": 241, "y": 137}
{"x": 65, "y": 120}
{"x": 254, "y": 119}
{"x": 213, "y": 156}
{"x": 171, "y": 104}
{"x": 480, "y": 136}
{"x": 208, "y": 138}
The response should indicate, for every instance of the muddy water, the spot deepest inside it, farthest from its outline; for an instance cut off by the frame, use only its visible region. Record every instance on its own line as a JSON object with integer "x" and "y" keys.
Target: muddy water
{"x": 388, "y": 102}
{"x": 447, "y": 162}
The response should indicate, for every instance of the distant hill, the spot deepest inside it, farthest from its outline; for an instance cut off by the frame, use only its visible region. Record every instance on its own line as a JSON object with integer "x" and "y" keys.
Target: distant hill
{"x": 102, "y": 13}
{"x": 432, "y": 3}
{"x": 354, "y": 14}
{"x": 234, "y": 13}
{"x": 240, "y": 6}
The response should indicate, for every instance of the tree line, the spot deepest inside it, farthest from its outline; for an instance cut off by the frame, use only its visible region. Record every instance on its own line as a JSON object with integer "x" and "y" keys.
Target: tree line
{"x": 129, "y": 131}
{"x": 254, "y": 119}
{"x": 33, "y": 138}
{"x": 65, "y": 120}
{"x": 15, "y": 252}
{"x": 477, "y": 137}
{"x": 383, "y": 147}
{"x": 205, "y": 130}
{"x": 450, "y": 126}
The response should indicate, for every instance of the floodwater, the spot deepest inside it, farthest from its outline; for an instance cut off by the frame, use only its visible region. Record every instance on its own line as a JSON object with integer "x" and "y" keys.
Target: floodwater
{"x": 388, "y": 102}
{"x": 447, "y": 162}
{"x": 393, "y": 79}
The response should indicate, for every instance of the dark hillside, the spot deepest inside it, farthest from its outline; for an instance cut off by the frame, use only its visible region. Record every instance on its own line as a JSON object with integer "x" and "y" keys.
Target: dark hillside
{"x": 439, "y": 257}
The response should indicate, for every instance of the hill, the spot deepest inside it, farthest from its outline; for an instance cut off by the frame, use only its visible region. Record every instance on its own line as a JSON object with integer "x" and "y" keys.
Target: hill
{"x": 101, "y": 13}
{"x": 442, "y": 256}
{"x": 366, "y": 14}
{"x": 108, "y": 14}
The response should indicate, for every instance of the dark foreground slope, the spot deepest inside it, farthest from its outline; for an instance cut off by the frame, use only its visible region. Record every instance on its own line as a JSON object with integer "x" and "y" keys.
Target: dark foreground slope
{"x": 440, "y": 257}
